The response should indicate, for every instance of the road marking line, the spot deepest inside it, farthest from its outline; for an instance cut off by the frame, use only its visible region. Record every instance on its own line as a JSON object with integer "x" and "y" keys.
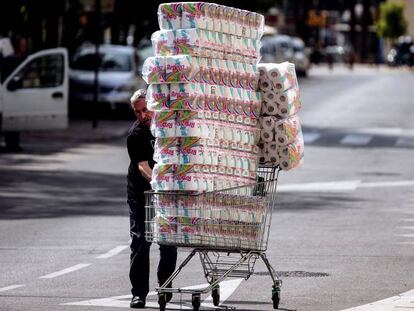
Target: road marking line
{"x": 404, "y": 142}
{"x": 226, "y": 290}
{"x": 405, "y": 235}
{"x": 407, "y": 219}
{"x": 320, "y": 186}
{"x": 112, "y": 252}
{"x": 402, "y": 301}
{"x": 309, "y": 138}
{"x": 406, "y": 227}
{"x": 397, "y": 183}
{"x": 359, "y": 140}
{"x": 404, "y": 243}
{"x": 65, "y": 271}
{"x": 342, "y": 186}
{"x": 3, "y": 289}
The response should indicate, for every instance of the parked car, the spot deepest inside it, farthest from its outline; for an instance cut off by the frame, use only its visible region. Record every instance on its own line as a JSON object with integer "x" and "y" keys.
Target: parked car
{"x": 402, "y": 53}
{"x": 300, "y": 56}
{"x": 281, "y": 48}
{"x": 118, "y": 77}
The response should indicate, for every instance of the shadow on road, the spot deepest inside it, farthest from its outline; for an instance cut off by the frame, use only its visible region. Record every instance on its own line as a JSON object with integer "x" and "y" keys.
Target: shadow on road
{"x": 37, "y": 194}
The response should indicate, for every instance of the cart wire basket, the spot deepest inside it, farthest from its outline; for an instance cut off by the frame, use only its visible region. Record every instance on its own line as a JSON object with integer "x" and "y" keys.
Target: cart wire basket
{"x": 228, "y": 228}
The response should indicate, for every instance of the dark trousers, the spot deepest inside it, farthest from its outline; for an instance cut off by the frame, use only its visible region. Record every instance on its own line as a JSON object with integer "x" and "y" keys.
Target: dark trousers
{"x": 140, "y": 253}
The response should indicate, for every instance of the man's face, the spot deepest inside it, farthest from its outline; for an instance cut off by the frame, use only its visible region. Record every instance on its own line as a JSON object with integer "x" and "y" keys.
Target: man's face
{"x": 143, "y": 115}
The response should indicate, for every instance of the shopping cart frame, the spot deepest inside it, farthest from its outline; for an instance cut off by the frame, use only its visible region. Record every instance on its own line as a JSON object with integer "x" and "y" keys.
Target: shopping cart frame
{"x": 221, "y": 261}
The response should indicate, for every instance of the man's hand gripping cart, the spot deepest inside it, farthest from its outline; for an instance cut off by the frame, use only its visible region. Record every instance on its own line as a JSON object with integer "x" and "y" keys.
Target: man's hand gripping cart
{"x": 228, "y": 228}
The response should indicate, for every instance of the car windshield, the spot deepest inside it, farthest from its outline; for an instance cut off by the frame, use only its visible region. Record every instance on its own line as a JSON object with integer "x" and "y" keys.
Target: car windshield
{"x": 108, "y": 62}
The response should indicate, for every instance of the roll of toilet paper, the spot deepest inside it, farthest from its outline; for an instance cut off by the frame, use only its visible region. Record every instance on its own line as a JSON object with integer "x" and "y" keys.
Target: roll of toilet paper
{"x": 153, "y": 70}
{"x": 164, "y": 124}
{"x": 169, "y": 15}
{"x": 158, "y": 96}
{"x": 179, "y": 68}
{"x": 267, "y": 135}
{"x": 288, "y": 102}
{"x": 163, "y": 177}
{"x": 193, "y": 150}
{"x": 193, "y": 15}
{"x": 291, "y": 156}
{"x": 184, "y": 96}
{"x": 191, "y": 123}
{"x": 270, "y": 108}
{"x": 166, "y": 150}
{"x": 287, "y": 130}
{"x": 187, "y": 41}
{"x": 163, "y": 42}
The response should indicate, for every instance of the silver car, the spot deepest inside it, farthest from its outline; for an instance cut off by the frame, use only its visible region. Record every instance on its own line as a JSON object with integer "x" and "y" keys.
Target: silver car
{"x": 119, "y": 75}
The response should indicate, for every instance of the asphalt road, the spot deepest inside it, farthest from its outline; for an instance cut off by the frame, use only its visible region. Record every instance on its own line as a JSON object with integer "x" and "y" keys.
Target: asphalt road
{"x": 343, "y": 225}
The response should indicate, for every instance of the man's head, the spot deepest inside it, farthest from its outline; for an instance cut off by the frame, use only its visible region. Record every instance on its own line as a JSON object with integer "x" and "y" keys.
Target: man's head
{"x": 139, "y": 106}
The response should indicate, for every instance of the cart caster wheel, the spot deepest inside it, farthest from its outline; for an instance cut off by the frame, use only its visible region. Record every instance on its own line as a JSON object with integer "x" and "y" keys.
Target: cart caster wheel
{"x": 276, "y": 297}
{"x": 216, "y": 295}
{"x": 162, "y": 301}
{"x": 196, "y": 301}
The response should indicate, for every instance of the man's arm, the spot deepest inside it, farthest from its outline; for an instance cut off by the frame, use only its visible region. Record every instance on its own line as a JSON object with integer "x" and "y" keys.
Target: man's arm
{"x": 145, "y": 170}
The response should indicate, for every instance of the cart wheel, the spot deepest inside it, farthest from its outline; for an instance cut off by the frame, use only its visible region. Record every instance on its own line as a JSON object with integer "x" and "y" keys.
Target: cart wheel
{"x": 196, "y": 301}
{"x": 162, "y": 301}
{"x": 216, "y": 295}
{"x": 276, "y": 297}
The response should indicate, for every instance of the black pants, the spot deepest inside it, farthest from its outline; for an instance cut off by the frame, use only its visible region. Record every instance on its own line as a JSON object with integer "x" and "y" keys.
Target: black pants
{"x": 140, "y": 253}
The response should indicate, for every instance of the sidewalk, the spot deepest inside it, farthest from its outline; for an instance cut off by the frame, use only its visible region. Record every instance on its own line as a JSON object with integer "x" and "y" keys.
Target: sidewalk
{"x": 82, "y": 131}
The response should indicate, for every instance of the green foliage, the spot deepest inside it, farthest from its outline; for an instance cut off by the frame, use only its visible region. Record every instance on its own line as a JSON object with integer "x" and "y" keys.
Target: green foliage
{"x": 391, "y": 23}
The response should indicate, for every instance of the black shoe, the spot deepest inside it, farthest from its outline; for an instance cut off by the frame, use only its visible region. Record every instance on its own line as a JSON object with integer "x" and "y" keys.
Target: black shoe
{"x": 137, "y": 303}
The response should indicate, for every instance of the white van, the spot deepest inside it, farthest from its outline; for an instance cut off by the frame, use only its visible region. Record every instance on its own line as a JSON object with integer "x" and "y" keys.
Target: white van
{"x": 35, "y": 95}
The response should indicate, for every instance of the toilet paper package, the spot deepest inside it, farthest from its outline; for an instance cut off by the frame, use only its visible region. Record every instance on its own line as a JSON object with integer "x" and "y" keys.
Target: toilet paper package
{"x": 153, "y": 70}
{"x": 194, "y": 150}
{"x": 158, "y": 97}
{"x": 166, "y": 150}
{"x": 179, "y": 68}
{"x": 165, "y": 228}
{"x": 277, "y": 77}
{"x": 288, "y": 102}
{"x": 193, "y": 15}
{"x": 169, "y": 15}
{"x": 188, "y": 41}
{"x": 291, "y": 156}
{"x": 164, "y": 124}
{"x": 163, "y": 177}
{"x": 191, "y": 123}
{"x": 163, "y": 42}
{"x": 287, "y": 130}
{"x": 185, "y": 96}
{"x": 188, "y": 177}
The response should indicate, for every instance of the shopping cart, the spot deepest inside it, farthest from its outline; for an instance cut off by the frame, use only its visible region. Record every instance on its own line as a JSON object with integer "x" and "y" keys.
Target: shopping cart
{"x": 228, "y": 228}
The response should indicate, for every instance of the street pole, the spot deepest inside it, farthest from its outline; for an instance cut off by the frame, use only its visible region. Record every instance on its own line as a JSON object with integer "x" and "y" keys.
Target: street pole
{"x": 97, "y": 63}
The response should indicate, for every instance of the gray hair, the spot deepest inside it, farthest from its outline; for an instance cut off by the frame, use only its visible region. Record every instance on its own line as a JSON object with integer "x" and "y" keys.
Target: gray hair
{"x": 139, "y": 94}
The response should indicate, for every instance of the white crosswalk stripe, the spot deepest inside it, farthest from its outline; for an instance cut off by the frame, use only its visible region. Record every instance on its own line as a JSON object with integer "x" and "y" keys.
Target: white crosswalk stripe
{"x": 356, "y": 140}
{"x": 309, "y": 138}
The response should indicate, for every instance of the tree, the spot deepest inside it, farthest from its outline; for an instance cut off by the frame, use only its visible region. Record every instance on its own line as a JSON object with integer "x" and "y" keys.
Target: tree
{"x": 391, "y": 22}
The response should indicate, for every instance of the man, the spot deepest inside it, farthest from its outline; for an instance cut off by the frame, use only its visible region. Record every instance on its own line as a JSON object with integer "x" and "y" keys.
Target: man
{"x": 140, "y": 144}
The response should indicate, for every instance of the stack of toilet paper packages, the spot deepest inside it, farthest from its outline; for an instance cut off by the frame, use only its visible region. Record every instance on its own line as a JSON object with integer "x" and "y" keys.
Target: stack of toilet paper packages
{"x": 205, "y": 43}
{"x": 186, "y": 220}
{"x": 228, "y": 76}
{"x": 210, "y": 16}
{"x": 281, "y": 138}
{"x": 209, "y": 30}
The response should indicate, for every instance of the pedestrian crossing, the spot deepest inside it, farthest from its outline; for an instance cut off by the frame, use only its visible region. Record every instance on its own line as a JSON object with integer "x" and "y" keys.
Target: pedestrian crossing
{"x": 327, "y": 137}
